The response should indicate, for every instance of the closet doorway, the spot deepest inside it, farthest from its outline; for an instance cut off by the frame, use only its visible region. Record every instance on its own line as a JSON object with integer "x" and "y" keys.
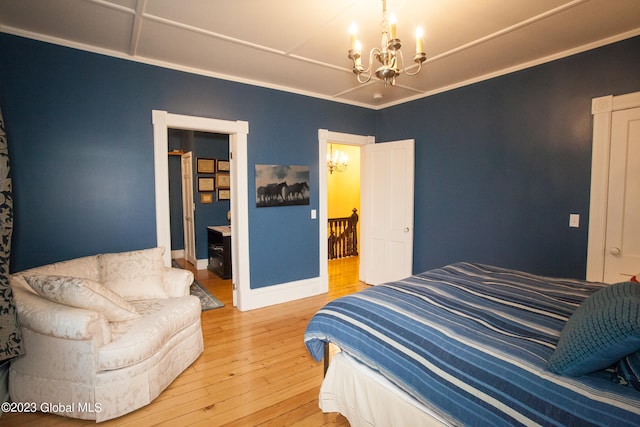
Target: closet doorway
{"x": 613, "y": 253}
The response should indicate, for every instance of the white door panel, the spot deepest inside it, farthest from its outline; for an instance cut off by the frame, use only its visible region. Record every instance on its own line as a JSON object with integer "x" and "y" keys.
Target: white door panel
{"x": 387, "y": 215}
{"x": 622, "y": 247}
{"x": 188, "y": 208}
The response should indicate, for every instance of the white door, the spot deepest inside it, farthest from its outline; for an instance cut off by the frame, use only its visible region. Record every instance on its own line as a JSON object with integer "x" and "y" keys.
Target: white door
{"x": 622, "y": 244}
{"x": 387, "y": 181}
{"x": 188, "y": 208}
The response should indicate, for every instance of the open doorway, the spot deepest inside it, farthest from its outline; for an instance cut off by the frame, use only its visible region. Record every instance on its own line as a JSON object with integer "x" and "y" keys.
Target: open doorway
{"x": 199, "y": 179}
{"x": 387, "y": 214}
{"x": 325, "y": 138}
{"x": 343, "y": 211}
{"x": 243, "y": 297}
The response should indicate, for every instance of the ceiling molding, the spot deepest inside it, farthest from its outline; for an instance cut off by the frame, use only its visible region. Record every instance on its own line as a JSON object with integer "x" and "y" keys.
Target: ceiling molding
{"x": 163, "y": 64}
{"x": 520, "y": 67}
{"x": 302, "y": 54}
{"x": 137, "y": 27}
{"x": 508, "y": 30}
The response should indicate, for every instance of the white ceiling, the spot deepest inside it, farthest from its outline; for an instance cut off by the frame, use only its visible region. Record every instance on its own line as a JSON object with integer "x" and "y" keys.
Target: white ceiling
{"x": 301, "y": 45}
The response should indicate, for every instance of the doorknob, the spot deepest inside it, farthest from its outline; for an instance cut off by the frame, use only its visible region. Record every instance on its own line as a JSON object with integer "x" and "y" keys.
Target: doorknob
{"x": 614, "y": 251}
{"x": 406, "y": 229}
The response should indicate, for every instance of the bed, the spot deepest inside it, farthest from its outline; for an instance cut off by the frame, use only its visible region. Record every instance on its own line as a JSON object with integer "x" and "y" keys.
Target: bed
{"x": 471, "y": 344}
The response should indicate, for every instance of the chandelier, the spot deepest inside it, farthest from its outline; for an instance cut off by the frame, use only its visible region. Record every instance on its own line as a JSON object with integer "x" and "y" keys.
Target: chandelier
{"x": 337, "y": 160}
{"x": 388, "y": 54}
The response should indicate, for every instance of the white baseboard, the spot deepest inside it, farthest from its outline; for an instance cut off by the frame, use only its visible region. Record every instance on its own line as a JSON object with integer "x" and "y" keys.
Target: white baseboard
{"x": 276, "y": 294}
{"x": 177, "y": 254}
{"x": 285, "y": 292}
{"x": 201, "y": 264}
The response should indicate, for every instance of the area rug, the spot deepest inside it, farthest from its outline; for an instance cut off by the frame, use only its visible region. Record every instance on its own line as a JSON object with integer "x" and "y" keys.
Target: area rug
{"x": 208, "y": 301}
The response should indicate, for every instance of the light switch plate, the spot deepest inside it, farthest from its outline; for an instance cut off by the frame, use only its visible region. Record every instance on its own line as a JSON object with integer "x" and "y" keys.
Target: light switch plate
{"x": 314, "y": 215}
{"x": 574, "y": 220}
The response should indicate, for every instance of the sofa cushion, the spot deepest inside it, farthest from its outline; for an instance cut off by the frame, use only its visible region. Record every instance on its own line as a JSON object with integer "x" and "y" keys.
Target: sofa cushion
{"x": 85, "y": 267}
{"x": 137, "y": 340}
{"x": 83, "y": 293}
{"x": 135, "y": 275}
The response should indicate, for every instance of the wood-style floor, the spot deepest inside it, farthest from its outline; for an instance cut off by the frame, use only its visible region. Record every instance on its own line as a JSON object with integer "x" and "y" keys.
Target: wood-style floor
{"x": 255, "y": 369}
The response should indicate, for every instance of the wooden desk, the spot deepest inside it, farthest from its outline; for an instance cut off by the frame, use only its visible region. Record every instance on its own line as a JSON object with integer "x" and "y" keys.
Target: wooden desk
{"x": 219, "y": 243}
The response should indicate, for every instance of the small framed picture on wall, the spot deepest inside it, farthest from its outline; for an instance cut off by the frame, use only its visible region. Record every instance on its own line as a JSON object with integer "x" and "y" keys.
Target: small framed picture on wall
{"x": 224, "y": 180}
{"x": 206, "y": 184}
{"x": 206, "y": 165}
{"x": 224, "y": 194}
{"x": 224, "y": 166}
{"x": 206, "y": 198}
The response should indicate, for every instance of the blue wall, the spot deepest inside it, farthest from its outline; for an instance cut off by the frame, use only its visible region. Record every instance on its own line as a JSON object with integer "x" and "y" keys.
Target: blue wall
{"x": 501, "y": 164}
{"x": 81, "y": 146}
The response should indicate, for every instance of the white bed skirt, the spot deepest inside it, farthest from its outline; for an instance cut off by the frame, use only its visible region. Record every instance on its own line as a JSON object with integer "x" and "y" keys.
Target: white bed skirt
{"x": 366, "y": 398}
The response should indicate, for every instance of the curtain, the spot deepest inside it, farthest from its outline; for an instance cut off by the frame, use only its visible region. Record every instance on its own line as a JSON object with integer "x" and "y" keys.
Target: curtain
{"x": 10, "y": 337}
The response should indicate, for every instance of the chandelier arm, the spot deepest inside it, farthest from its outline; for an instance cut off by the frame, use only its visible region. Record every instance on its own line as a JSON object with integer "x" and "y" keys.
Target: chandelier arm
{"x": 417, "y": 71}
{"x": 368, "y": 73}
{"x": 375, "y": 53}
{"x": 400, "y": 62}
{"x": 419, "y": 59}
{"x": 366, "y": 80}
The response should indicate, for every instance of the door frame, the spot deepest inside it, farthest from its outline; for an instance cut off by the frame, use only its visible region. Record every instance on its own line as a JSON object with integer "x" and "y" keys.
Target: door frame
{"x": 237, "y": 131}
{"x": 602, "y": 109}
{"x": 324, "y": 138}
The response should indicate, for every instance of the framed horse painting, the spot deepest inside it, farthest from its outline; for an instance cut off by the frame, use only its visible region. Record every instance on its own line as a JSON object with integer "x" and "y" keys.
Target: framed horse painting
{"x": 282, "y": 185}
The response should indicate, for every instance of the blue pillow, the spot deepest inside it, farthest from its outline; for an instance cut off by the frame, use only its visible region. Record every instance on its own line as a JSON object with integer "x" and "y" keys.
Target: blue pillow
{"x": 603, "y": 329}
{"x": 627, "y": 371}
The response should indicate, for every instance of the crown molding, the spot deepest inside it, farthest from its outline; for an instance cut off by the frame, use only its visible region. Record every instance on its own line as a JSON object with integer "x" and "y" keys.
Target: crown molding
{"x": 192, "y": 70}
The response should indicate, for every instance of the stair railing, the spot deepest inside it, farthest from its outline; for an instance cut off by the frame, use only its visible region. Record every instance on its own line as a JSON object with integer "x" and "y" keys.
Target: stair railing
{"x": 343, "y": 236}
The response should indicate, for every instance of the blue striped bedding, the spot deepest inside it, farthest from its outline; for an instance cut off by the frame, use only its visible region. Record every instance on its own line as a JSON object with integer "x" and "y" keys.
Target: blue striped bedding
{"x": 473, "y": 341}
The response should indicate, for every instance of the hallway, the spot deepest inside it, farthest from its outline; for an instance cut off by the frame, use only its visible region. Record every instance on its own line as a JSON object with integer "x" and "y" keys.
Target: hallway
{"x": 343, "y": 276}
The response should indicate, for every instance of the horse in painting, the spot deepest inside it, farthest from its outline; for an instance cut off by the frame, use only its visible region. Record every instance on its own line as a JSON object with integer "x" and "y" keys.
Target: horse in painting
{"x": 296, "y": 191}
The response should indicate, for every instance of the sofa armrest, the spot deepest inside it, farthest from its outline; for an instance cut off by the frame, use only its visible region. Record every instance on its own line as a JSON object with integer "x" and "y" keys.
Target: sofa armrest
{"x": 59, "y": 320}
{"x": 178, "y": 281}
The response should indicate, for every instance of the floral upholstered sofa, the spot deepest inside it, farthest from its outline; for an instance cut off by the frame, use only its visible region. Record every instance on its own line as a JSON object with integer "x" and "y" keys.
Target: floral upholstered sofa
{"x": 103, "y": 335}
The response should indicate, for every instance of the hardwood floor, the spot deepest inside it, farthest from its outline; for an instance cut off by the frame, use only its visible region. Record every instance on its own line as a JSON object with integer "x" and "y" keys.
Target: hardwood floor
{"x": 255, "y": 369}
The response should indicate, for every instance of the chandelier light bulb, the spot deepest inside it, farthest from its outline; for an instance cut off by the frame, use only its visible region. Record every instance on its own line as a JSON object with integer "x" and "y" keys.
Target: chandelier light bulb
{"x": 353, "y": 31}
{"x": 393, "y": 30}
{"x": 340, "y": 157}
{"x": 419, "y": 35}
